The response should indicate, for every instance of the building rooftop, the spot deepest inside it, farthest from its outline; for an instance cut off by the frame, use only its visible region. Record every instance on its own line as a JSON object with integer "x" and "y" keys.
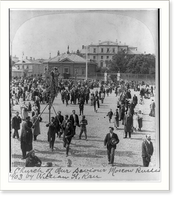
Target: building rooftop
{"x": 132, "y": 52}
{"x": 26, "y": 61}
{"x": 67, "y": 57}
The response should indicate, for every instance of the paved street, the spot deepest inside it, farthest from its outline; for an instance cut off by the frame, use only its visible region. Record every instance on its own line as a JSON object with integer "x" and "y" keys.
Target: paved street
{"x": 90, "y": 153}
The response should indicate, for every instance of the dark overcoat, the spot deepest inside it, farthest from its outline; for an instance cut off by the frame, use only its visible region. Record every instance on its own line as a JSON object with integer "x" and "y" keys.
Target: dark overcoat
{"x": 26, "y": 136}
{"x": 16, "y": 122}
{"x": 107, "y": 140}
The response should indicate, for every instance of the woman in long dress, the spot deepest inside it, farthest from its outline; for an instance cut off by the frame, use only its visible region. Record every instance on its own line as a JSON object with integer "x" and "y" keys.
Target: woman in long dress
{"x": 135, "y": 121}
{"x": 140, "y": 118}
{"x": 152, "y": 109}
{"x": 24, "y": 111}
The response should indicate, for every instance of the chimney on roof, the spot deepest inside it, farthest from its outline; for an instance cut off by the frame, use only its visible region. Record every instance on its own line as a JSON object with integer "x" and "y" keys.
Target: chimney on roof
{"x": 68, "y": 50}
{"x": 33, "y": 58}
{"x": 30, "y": 58}
{"x": 144, "y": 52}
{"x": 99, "y": 41}
{"x": 120, "y": 42}
{"x": 83, "y": 46}
{"x": 58, "y": 53}
{"x": 26, "y": 57}
{"x": 116, "y": 41}
{"x": 49, "y": 55}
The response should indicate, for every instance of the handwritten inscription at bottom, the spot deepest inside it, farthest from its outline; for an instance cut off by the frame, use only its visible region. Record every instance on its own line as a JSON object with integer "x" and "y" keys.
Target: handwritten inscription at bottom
{"x": 62, "y": 173}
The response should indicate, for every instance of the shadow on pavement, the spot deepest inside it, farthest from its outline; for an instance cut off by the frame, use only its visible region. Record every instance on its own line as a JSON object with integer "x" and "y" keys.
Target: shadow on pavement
{"x": 117, "y": 153}
{"x": 75, "y": 153}
{"x": 125, "y": 165}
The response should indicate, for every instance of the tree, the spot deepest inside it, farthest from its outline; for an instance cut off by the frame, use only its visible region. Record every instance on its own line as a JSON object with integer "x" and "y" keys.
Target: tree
{"x": 118, "y": 62}
{"x": 137, "y": 64}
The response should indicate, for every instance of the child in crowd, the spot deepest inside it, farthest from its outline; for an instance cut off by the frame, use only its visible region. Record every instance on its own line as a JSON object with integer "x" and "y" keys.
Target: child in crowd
{"x": 110, "y": 114}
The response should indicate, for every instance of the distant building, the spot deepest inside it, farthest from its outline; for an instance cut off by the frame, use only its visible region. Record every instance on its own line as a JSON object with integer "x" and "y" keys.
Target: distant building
{"x": 103, "y": 52}
{"x": 15, "y": 59}
{"x": 27, "y": 67}
{"x": 71, "y": 65}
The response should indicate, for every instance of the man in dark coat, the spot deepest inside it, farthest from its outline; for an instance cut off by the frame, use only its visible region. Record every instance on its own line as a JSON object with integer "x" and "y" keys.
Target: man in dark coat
{"x": 68, "y": 134}
{"x": 81, "y": 105}
{"x": 128, "y": 124}
{"x": 74, "y": 121}
{"x": 16, "y": 120}
{"x": 51, "y": 132}
{"x": 111, "y": 140}
{"x": 32, "y": 160}
{"x": 135, "y": 100}
{"x": 147, "y": 150}
{"x": 58, "y": 122}
{"x": 26, "y": 137}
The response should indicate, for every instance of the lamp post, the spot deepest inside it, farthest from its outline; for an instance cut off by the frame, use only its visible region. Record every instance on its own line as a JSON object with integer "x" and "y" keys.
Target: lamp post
{"x": 86, "y": 63}
{"x": 118, "y": 76}
{"x": 105, "y": 76}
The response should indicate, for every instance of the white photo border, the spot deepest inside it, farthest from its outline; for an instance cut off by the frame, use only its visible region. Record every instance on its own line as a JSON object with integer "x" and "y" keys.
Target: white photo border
{"x": 164, "y": 96}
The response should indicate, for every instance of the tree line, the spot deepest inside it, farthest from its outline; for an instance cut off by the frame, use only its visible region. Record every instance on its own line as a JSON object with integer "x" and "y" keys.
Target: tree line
{"x": 127, "y": 63}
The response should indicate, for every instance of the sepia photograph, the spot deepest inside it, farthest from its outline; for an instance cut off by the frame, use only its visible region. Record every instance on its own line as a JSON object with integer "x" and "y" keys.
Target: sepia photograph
{"x": 84, "y": 95}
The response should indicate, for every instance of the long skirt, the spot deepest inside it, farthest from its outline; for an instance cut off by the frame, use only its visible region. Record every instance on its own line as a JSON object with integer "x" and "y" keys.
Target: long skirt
{"x": 116, "y": 122}
{"x": 140, "y": 123}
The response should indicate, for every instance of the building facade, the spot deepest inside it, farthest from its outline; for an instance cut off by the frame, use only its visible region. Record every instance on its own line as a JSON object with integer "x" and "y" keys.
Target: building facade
{"x": 71, "y": 66}
{"x": 104, "y": 51}
{"x": 27, "y": 67}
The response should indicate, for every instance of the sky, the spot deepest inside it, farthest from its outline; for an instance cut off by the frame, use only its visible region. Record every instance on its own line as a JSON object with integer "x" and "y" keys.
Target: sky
{"x": 42, "y": 35}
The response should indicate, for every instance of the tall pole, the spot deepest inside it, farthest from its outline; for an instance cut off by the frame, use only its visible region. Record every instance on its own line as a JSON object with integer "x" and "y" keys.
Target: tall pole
{"x": 86, "y": 63}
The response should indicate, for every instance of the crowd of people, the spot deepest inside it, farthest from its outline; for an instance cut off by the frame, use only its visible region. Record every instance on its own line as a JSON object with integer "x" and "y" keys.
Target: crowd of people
{"x": 30, "y": 93}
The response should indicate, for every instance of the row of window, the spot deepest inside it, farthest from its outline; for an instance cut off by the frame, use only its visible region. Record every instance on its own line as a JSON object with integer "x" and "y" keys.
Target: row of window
{"x": 102, "y": 57}
{"x": 107, "y": 50}
{"x": 66, "y": 70}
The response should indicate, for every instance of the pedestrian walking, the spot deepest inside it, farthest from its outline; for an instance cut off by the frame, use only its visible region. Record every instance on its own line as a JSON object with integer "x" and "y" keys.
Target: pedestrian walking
{"x": 110, "y": 114}
{"x": 58, "y": 122}
{"x": 51, "y": 133}
{"x": 135, "y": 121}
{"x": 110, "y": 141}
{"x": 128, "y": 124}
{"x": 36, "y": 119}
{"x": 24, "y": 111}
{"x": 81, "y": 105}
{"x": 140, "y": 120}
{"x": 74, "y": 121}
{"x": 116, "y": 119}
{"x": 26, "y": 137}
{"x": 16, "y": 121}
{"x": 68, "y": 134}
{"x": 152, "y": 109}
{"x": 147, "y": 150}
{"x": 83, "y": 124}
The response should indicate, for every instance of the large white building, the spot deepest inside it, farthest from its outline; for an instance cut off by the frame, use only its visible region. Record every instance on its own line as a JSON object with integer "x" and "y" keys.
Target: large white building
{"x": 102, "y": 52}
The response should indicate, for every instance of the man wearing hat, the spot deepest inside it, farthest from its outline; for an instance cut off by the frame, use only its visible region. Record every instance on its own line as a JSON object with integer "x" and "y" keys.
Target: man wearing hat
{"x": 16, "y": 120}
{"x": 26, "y": 137}
{"x": 147, "y": 150}
{"x": 111, "y": 140}
{"x": 58, "y": 122}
